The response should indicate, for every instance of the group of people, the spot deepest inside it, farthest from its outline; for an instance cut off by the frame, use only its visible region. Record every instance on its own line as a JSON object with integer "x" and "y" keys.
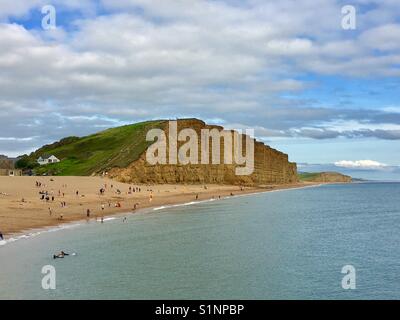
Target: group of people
{"x": 131, "y": 190}
{"x": 39, "y": 184}
{"x": 103, "y": 207}
{"x": 134, "y": 189}
{"x": 49, "y": 196}
{"x": 44, "y": 195}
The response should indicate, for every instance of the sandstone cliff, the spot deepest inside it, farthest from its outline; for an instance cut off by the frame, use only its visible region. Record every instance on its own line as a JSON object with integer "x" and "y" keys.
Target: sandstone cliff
{"x": 270, "y": 166}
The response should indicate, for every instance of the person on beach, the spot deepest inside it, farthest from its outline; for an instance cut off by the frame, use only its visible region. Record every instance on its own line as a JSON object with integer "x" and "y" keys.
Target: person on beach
{"x": 1, "y": 236}
{"x": 197, "y": 197}
{"x": 88, "y": 213}
{"x": 102, "y": 207}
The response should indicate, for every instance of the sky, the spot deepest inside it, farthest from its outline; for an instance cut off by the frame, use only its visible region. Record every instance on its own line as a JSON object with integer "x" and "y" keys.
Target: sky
{"x": 326, "y": 95}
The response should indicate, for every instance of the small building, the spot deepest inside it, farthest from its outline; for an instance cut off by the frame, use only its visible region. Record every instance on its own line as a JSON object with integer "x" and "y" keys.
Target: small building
{"x": 7, "y": 168}
{"x": 47, "y": 160}
{"x": 11, "y": 172}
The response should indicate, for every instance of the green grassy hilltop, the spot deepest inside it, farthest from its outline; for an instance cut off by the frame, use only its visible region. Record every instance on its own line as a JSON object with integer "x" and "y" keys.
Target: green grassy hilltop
{"x": 323, "y": 177}
{"x": 115, "y": 147}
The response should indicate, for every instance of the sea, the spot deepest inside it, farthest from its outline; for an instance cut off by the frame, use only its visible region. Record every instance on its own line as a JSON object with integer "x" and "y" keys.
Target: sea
{"x": 325, "y": 242}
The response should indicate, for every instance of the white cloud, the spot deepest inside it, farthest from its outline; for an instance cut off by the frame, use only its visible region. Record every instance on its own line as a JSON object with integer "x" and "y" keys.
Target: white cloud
{"x": 383, "y": 38}
{"x": 343, "y": 126}
{"x": 145, "y": 59}
{"x": 361, "y": 164}
{"x": 16, "y": 139}
{"x": 12, "y": 8}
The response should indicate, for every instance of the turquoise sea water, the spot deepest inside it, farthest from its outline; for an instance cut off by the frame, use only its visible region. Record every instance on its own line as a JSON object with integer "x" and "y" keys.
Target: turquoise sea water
{"x": 279, "y": 245}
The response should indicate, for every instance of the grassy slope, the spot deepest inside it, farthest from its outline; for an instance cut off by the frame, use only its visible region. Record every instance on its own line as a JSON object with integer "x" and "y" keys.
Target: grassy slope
{"x": 318, "y": 176}
{"x": 308, "y": 176}
{"x": 116, "y": 147}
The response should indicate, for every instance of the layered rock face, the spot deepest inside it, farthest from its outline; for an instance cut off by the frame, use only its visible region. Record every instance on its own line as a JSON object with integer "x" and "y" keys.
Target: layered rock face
{"x": 270, "y": 166}
{"x": 6, "y": 163}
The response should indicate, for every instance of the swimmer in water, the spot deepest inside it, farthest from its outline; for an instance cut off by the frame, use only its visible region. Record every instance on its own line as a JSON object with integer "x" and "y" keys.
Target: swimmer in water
{"x": 61, "y": 255}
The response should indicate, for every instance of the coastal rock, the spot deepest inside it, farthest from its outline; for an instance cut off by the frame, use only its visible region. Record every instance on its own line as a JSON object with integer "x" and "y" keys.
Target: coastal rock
{"x": 270, "y": 166}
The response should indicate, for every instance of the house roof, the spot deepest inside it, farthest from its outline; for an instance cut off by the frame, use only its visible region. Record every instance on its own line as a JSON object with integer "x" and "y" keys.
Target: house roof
{"x": 45, "y": 157}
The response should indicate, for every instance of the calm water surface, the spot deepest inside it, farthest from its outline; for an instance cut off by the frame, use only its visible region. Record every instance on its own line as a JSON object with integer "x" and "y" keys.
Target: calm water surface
{"x": 278, "y": 245}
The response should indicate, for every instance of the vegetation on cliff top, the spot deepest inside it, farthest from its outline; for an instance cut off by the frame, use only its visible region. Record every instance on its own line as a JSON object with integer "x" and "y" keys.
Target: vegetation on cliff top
{"x": 115, "y": 147}
{"x": 323, "y": 177}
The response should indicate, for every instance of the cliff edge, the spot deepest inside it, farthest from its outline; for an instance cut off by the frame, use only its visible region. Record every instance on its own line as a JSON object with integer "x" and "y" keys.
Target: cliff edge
{"x": 270, "y": 166}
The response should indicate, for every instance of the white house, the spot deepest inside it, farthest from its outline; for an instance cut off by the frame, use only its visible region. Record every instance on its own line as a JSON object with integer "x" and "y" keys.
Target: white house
{"x": 47, "y": 159}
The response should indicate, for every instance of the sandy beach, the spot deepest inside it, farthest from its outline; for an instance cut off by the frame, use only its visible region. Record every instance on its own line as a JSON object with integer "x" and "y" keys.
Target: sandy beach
{"x": 22, "y": 207}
